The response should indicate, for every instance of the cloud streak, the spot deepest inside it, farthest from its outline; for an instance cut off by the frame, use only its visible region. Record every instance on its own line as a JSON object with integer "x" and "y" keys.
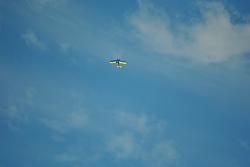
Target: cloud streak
{"x": 140, "y": 138}
{"x": 19, "y": 109}
{"x": 67, "y": 122}
{"x": 213, "y": 39}
{"x": 31, "y": 39}
{"x": 67, "y": 26}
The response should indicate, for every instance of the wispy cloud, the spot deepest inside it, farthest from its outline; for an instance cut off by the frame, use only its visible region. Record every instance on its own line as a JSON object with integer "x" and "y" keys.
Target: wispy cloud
{"x": 13, "y": 112}
{"x": 67, "y": 25}
{"x": 67, "y": 157}
{"x": 31, "y": 104}
{"x": 39, "y": 4}
{"x": 123, "y": 145}
{"x": 245, "y": 145}
{"x": 163, "y": 153}
{"x": 66, "y": 122}
{"x": 63, "y": 118}
{"x": 132, "y": 143}
{"x": 61, "y": 113}
{"x": 213, "y": 39}
{"x": 19, "y": 109}
{"x": 31, "y": 39}
{"x": 133, "y": 122}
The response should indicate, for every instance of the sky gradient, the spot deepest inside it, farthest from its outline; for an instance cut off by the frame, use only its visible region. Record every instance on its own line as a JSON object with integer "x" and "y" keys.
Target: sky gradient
{"x": 183, "y": 99}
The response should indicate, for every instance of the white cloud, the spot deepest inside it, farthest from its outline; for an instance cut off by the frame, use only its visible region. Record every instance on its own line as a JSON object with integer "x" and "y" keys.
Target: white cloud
{"x": 58, "y": 126}
{"x": 40, "y": 4}
{"x": 76, "y": 156}
{"x": 12, "y": 112}
{"x": 67, "y": 157}
{"x": 61, "y": 115}
{"x": 130, "y": 142}
{"x": 66, "y": 122}
{"x": 134, "y": 122}
{"x": 77, "y": 119}
{"x": 123, "y": 145}
{"x": 19, "y": 109}
{"x": 64, "y": 47}
{"x": 31, "y": 39}
{"x": 245, "y": 144}
{"x": 70, "y": 26}
{"x": 65, "y": 117}
{"x": 163, "y": 153}
{"x": 214, "y": 39}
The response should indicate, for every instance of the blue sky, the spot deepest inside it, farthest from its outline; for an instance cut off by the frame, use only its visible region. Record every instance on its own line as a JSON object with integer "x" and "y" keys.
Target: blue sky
{"x": 181, "y": 101}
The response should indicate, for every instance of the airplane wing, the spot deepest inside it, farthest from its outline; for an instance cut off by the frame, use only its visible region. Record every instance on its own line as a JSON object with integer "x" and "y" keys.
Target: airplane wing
{"x": 123, "y": 62}
{"x": 112, "y": 62}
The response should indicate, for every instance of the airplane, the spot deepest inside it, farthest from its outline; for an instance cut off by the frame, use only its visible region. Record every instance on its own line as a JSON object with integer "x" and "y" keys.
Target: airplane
{"x": 118, "y": 63}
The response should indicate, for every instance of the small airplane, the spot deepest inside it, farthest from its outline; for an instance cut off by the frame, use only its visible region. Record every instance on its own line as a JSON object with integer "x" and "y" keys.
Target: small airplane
{"x": 118, "y": 63}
